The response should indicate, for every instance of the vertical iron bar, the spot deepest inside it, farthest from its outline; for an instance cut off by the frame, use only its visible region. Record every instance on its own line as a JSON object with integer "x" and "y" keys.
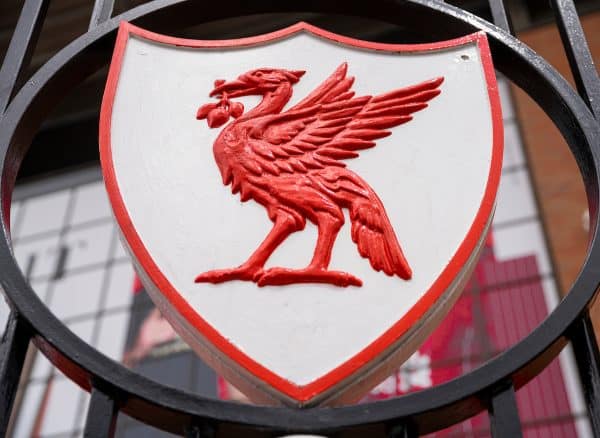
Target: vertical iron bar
{"x": 504, "y": 416}
{"x": 402, "y": 431}
{"x": 102, "y": 11}
{"x": 203, "y": 430}
{"x": 499, "y": 15}
{"x": 578, "y": 53}
{"x": 21, "y": 48}
{"x": 101, "y": 417}
{"x": 12, "y": 355}
{"x": 585, "y": 349}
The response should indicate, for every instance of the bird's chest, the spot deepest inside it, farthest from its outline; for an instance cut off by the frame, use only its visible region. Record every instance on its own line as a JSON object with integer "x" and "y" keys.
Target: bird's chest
{"x": 231, "y": 151}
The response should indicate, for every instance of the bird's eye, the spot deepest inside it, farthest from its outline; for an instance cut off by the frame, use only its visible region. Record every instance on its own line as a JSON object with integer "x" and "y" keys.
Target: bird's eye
{"x": 259, "y": 74}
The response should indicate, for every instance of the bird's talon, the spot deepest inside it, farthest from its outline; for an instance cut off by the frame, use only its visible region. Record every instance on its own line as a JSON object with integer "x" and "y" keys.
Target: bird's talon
{"x": 283, "y": 276}
{"x": 222, "y": 275}
{"x": 257, "y": 275}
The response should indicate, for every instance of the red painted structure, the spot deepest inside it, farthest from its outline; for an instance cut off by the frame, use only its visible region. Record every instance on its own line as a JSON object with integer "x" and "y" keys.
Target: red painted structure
{"x": 502, "y": 303}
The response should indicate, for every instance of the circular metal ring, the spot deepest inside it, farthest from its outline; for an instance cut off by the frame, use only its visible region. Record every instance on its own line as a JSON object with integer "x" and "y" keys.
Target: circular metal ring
{"x": 173, "y": 410}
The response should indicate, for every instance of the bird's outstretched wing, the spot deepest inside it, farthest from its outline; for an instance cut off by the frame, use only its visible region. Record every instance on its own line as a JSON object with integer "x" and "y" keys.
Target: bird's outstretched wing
{"x": 331, "y": 124}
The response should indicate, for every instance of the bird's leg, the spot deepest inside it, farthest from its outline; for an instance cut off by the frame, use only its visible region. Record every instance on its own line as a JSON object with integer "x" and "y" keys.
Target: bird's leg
{"x": 316, "y": 271}
{"x": 283, "y": 226}
{"x": 328, "y": 231}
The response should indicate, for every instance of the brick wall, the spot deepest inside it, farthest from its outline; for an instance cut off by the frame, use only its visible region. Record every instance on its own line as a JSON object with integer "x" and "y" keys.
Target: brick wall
{"x": 558, "y": 185}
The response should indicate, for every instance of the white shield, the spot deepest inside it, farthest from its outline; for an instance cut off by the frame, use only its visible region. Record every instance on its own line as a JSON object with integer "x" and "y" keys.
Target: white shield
{"x": 273, "y": 292}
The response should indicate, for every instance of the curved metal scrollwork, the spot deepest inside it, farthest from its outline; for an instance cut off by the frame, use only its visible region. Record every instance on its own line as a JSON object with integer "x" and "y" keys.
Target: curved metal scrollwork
{"x": 176, "y": 411}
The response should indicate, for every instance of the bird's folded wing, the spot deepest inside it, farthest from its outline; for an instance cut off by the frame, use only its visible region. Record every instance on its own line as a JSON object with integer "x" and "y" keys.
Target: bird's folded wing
{"x": 330, "y": 125}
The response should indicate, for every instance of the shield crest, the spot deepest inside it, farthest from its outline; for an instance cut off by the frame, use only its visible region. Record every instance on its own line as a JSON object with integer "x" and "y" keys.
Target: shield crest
{"x": 303, "y": 207}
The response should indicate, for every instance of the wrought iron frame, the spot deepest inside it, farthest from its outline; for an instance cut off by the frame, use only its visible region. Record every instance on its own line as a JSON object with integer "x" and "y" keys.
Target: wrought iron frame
{"x": 114, "y": 388}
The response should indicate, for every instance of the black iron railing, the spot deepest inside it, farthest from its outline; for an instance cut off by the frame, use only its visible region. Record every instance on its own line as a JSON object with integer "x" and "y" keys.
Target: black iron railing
{"x": 491, "y": 387}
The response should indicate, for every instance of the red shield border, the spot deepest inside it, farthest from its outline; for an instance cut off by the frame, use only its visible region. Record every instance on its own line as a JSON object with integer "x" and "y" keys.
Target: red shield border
{"x": 362, "y": 361}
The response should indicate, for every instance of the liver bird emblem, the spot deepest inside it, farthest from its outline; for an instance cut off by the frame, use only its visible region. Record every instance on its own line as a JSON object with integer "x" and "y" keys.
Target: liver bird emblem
{"x": 290, "y": 162}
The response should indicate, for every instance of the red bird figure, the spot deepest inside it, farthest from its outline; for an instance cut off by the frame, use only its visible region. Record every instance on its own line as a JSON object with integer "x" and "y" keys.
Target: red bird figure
{"x": 290, "y": 162}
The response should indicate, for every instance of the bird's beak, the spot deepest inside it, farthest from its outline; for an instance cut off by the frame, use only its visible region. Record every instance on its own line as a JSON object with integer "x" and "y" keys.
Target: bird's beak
{"x": 235, "y": 88}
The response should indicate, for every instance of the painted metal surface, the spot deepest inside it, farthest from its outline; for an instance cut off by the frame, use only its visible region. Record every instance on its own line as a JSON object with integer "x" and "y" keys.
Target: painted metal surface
{"x": 429, "y": 410}
{"x": 283, "y": 337}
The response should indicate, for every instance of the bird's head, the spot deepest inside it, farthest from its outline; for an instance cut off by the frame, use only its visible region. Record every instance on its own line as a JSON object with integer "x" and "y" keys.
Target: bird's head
{"x": 256, "y": 82}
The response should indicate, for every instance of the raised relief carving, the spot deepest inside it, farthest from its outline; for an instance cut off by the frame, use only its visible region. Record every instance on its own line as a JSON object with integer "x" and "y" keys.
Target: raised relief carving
{"x": 291, "y": 163}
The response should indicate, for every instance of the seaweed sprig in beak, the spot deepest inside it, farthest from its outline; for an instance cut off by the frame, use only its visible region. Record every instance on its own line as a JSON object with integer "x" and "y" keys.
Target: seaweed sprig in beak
{"x": 217, "y": 114}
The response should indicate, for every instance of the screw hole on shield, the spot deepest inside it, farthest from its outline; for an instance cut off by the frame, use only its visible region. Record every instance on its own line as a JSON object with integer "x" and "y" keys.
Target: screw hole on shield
{"x": 465, "y": 57}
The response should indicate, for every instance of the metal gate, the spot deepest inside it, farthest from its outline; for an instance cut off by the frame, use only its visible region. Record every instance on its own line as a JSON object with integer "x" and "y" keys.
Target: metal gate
{"x": 490, "y": 387}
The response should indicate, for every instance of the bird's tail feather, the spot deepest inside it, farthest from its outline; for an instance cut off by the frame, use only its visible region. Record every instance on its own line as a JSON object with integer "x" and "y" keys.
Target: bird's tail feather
{"x": 373, "y": 234}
